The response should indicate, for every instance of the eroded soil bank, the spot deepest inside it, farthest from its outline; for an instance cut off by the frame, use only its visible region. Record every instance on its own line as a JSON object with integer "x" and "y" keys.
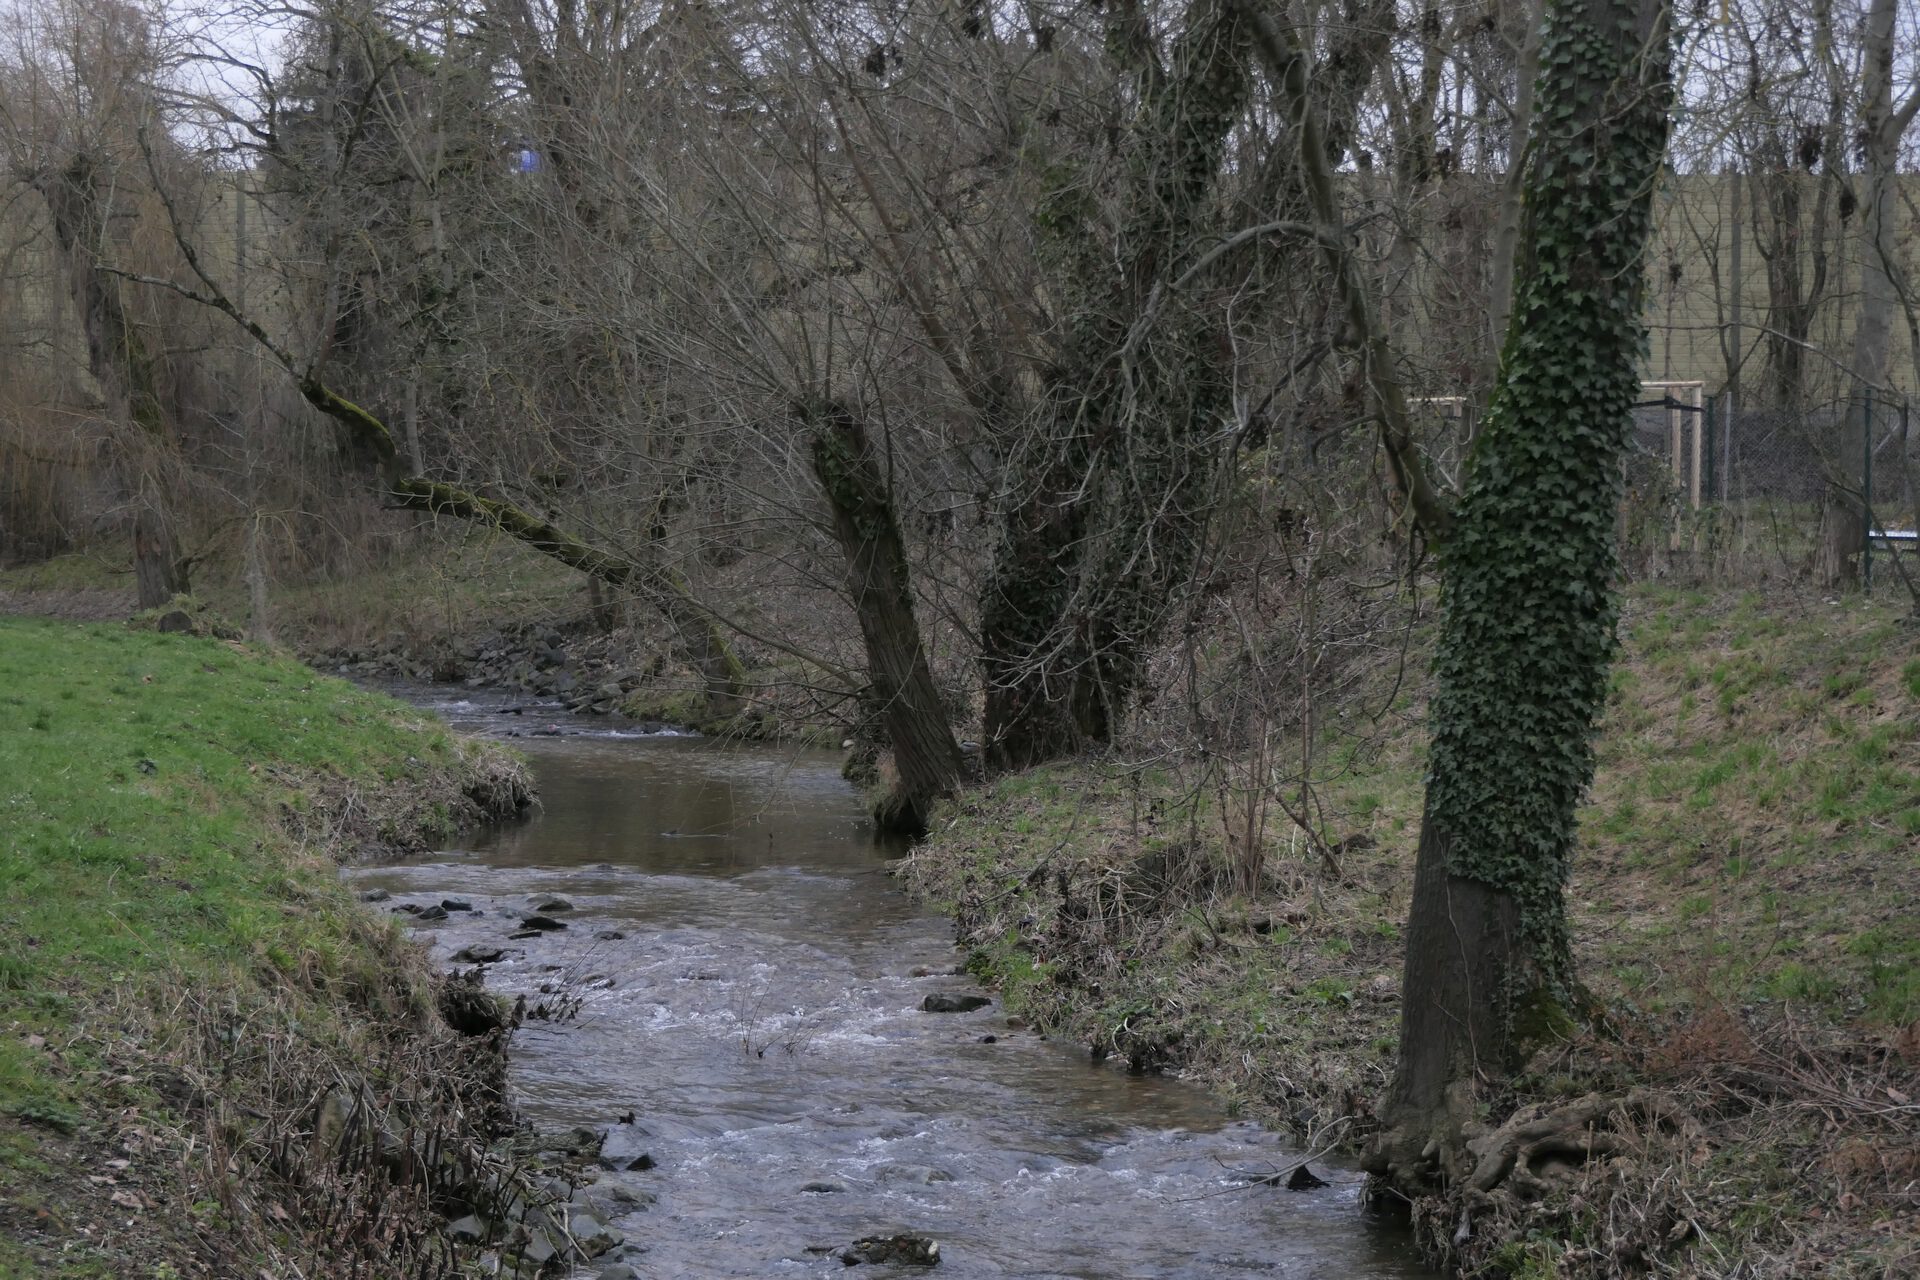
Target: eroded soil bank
{"x": 213, "y": 1062}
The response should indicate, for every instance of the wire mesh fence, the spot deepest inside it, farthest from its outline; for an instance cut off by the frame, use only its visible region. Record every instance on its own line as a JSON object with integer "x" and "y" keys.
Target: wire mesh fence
{"x": 1737, "y": 493}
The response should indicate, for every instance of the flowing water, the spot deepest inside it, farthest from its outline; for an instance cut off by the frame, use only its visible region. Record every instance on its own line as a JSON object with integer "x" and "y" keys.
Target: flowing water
{"x": 760, "y": 1020}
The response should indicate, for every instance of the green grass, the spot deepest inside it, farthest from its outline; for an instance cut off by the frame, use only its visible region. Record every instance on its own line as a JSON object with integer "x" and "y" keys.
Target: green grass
{"x": 74, "y": 572}
{"x": 141, "y": 781}
{"x": 1750, "y": 839}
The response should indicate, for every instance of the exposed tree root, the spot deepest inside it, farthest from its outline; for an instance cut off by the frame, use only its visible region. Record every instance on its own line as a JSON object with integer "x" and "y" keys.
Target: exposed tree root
{"x": 1535, "y": 1151}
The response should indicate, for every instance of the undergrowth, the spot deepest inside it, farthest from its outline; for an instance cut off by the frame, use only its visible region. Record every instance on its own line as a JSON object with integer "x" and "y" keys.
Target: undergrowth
{"x": 1745, "y": 906}
{"x": 183, "y": 976}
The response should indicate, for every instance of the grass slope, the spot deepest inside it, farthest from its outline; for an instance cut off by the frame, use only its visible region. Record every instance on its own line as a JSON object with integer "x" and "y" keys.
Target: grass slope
{"x": 171, "y": 809}
{"x": 1746, "y": 902}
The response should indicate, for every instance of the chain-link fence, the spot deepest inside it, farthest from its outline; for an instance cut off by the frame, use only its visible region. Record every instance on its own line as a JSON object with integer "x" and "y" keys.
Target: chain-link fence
{"x": 1736, "y": 492}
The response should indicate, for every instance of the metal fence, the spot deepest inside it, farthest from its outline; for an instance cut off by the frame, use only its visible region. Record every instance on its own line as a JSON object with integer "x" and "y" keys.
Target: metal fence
{"x": 1740, "y": 491}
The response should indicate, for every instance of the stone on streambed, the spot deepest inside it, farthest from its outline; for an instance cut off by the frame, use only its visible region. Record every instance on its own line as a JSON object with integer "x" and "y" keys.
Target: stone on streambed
{"x": 621, "y": 1198}
{"x": 904, "y": 1249}
{"x": 618, "y": 1156}
{"x": 542, "y": 924}
{"x": 590, "y": 1236}
{"x": 544, "y": 1148}
{"x": 536, "y": 1253}
{"x": 477, "y": 954}
{"x": 945, "y": 1002}
{"x": 1304, "y": 1179}
{"x": 825, "y": 1187}
{"x": 923, "y": 1175}
{"x": 375, "y": 895}
{"x": 554, "y": 904}
{"x": 455, "y": 904}
{"x": 519, "y": 935}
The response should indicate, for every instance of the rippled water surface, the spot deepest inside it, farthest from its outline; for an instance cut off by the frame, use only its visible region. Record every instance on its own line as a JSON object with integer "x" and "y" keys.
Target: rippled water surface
{"x": 760, "y": 1020}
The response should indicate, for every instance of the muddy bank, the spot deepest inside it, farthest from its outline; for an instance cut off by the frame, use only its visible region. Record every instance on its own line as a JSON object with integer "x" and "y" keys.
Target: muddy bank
{"x": 216, "y": 1061}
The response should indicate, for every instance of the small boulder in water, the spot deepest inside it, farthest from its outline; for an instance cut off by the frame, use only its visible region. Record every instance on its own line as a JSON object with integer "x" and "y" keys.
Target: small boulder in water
{"x": 946, "y": 1002}
{"x": 626, "y": 1149}
{"x": 907, "y": 1250}
{"x": 375, "y": 895}
{"x": 825, "y": 1186}
{"x": 477, "y": 954}
{"x": 624, "y": 1199}
{"x": 431, "y": 913}
{"x": 541, "y": 924}
{"x": 455, "y": 904}
{"x": 554, "y": 904}
{"x": 576, "y": 1142}
{"x": 591, "y": 1236}
{"x": 1304, "y": 1179}
{"x": 921, "y": 1175}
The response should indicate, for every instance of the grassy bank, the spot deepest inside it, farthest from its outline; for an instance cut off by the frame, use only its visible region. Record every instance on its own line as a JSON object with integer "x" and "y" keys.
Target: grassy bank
{"x": 455, "y": 605}
{"x": 1747, "y": 905}
{"x": 189, "y": 999}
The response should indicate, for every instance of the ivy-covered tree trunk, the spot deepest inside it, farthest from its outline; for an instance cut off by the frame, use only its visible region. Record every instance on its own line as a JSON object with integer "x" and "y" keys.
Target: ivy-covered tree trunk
{"x": 1527, "y": 600}
{"x": 926, "y": 757}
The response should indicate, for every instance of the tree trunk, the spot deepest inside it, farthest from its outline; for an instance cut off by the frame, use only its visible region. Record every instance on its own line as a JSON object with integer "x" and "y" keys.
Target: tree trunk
{"x": 723, "y": 678}
{"x": 925, "y": 754}
{"x": 1527, "y": 608}
{"x": 1843, "y": 526}
{"x": 119, "y": 362}
{"x": 1506, "y": 230}
{"x": 1107, "y": 507}
{"x": 158, "y": 573}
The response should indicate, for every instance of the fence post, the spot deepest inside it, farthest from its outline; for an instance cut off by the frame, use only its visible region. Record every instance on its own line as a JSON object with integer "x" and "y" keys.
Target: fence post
{"x": 1866, "y": 497}
{"x": 1713, "y": 449}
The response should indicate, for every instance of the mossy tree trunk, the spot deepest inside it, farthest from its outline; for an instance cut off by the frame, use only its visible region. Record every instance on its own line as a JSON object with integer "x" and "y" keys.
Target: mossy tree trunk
{"x": 1107, "y": 497}
{"x": 925, "y": 755}
{"x": 1527, "y": 602}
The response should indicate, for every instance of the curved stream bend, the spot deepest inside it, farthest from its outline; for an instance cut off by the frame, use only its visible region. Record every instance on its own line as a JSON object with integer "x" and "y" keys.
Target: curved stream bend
{"x": 761, "y": 1018}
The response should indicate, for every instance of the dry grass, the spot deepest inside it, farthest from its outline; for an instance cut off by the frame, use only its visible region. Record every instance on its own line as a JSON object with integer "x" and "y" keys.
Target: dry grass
{"x": 1746, "y": 905}
{"x": 187, "y": 981}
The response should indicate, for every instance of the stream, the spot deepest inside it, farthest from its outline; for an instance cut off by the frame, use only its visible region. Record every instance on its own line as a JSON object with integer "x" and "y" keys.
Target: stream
{"x": 748, "y": 977}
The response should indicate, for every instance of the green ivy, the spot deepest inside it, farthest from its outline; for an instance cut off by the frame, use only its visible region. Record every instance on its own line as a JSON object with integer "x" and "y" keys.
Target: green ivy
{"x": 1528, "y": 605}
